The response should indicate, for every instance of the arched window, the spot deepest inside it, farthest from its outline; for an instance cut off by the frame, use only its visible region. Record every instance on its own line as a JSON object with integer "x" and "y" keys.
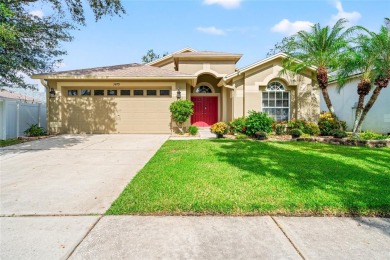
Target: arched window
{"x": 203, "y": 89}
{"x": 276, "y": 101}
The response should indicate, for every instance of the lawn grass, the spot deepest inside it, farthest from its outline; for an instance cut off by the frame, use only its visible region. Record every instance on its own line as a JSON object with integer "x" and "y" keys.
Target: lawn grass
{"x": 11, "y": 141}
{"x": 248, "y": 177}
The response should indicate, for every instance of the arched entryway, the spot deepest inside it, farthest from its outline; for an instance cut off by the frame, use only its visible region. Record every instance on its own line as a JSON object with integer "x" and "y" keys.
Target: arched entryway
{"x": 206, "y": 102}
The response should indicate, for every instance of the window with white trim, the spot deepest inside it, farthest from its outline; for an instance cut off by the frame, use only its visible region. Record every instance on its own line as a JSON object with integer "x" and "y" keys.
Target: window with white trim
{"x": 276, "y": 101}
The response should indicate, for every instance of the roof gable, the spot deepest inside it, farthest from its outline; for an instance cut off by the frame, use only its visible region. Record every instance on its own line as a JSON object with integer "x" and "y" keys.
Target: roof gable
{"x": 258, "y": 64}
{"x": 167, "y": 57}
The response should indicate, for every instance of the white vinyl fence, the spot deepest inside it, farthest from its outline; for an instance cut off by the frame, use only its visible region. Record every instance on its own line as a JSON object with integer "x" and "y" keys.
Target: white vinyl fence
{"x": 16, "y": 116}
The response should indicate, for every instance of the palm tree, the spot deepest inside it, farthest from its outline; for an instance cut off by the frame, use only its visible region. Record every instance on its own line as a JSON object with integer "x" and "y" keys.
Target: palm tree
{"x": 321, "y": 47}
{"x": 358, "y": 60}
{"x": 380, "y": 51}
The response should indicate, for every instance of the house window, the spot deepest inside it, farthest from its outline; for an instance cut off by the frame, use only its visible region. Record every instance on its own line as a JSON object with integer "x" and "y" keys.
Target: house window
{"x": 151, "y": 92}
{"x": 203, "y": 89}
{"x": 125, "y": 92}
{"x": 276, "y": 102}
{"x": 164, "y": 92}
{"x": 72, "y": 92}
{"x": 138, "y": 92}
{"x": 98, "y": 92}
{"x": 112, "y": 92}
{"x": 86, "y": 92}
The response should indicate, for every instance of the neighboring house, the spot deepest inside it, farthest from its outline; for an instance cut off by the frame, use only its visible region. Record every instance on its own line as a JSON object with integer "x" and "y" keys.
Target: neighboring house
{"x": 345, "y": 102}
{"x": 135, "y": 98}
{"x": 18, "y": 112}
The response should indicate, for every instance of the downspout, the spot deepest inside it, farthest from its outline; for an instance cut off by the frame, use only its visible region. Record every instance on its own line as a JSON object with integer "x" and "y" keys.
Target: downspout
{"x": 44, "y": 83}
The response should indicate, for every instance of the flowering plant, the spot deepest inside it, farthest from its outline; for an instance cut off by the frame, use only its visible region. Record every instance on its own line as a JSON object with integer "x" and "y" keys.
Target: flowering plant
{"x": 219, "y": 128}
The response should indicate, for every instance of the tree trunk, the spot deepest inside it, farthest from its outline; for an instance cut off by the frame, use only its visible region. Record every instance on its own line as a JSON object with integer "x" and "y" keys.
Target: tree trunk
{"x": 379, "y": 83}
{"x": 322, "y": 79}
{"x": 358, "y": 114}
{"x": 328, "y": 102}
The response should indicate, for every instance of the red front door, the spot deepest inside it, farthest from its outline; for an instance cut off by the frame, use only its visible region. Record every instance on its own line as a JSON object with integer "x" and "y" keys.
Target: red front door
{"x": 205, "y": 111}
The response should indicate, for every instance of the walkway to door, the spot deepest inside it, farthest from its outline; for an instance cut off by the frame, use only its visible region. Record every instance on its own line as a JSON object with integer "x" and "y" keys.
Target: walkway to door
{"x": 205, "y": 111}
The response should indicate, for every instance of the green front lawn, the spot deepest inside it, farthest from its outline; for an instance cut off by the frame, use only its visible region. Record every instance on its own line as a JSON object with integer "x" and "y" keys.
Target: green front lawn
{"x": 251, "y": 178}
{"x": 9, "y": 142}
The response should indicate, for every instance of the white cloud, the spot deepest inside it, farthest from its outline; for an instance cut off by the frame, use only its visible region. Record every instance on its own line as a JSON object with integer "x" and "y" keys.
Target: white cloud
{"x": 228, "y": 4}
{"x": 38, "y": 13}
{"x": 352, "y": 17}
{"x": 289, "y": 28}
{"x": 211, "y": 30}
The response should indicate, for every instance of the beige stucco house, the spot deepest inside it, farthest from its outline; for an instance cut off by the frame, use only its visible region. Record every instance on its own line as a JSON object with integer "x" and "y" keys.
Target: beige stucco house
{"x": 135, "y": 98}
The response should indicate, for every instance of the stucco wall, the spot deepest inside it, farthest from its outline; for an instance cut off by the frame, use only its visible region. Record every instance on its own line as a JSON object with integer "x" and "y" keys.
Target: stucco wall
{"x": 196, "y": 67}
{"x": 304, "y": 95}
{"x": 378, "y": 118}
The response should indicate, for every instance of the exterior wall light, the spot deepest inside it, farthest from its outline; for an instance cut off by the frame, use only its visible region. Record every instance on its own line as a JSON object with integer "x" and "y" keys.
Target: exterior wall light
{"x": 52, "y": 93}
{"x": 178, "y": 94}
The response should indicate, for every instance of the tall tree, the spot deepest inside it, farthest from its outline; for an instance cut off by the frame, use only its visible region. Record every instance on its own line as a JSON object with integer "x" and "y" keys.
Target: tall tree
{"x": 320, "y": 47}
{"x": 379, "y": 49}
{"x": 30, "y": 44}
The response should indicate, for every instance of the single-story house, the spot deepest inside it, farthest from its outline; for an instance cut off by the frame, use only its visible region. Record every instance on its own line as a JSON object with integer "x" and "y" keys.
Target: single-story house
{"x": 135, "y": 98}
{"x": 345, "y": 102}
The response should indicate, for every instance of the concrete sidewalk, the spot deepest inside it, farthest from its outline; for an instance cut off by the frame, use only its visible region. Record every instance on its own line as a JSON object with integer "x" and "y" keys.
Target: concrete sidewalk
{"x": 159, "y": 237}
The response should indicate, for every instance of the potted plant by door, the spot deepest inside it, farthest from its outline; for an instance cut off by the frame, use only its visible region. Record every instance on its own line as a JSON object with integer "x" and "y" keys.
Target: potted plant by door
{"x": 261, "y": 135}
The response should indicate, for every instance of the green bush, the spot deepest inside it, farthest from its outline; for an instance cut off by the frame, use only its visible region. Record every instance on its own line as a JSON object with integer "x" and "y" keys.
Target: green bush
{"x": 339, "y": 134}
{"x": 34, "y": 130}
{"x": 328, "y": 124}
{"x": 311, "y": 128}
{"x": 181, "y": 111}
{"x": 237, "y": 126}
{"x": 193, "y": 130}
{"x": 296, "y": 132}
{"x": 369, "y": 135}
{"x": 258, "y": 122}
{"x": 280, "y": 128}
{"x": 306, "y": 127}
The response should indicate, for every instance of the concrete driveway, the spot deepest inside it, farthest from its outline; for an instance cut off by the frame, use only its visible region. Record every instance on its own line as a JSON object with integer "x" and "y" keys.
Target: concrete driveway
{"x": 71, "y": 174}
{"x": 53, "y": 191}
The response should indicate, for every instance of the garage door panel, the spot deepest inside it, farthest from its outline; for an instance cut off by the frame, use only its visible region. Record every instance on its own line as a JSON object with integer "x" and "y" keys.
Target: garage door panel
{"x": 117, "y": 115}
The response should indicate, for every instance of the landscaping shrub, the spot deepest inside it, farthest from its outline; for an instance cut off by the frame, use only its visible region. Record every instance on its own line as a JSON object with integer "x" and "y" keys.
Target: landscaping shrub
{"x": 181, "y": 110}
{"x": 339, "y": 134}
{"x": 280, "y": 128}
{"x": 237, "y": 126}
{"x": 258, "y": 122}
{"x": 34, "y": 130}
{"x": 219, "y": 128}
{"x": 193, "y": 130}
{"x": 296, "y": 132}
{"x": 310, "y": 128}
{"x": 328, "y": 124}
{"x": 369, "y": 135}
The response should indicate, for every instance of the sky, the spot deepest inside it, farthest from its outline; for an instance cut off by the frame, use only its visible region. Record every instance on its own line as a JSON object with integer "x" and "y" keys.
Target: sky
{"x": 248, "y": 27}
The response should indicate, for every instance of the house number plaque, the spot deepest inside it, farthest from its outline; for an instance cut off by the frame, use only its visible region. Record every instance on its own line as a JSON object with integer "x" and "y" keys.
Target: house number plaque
{"x": 117, "y": 84}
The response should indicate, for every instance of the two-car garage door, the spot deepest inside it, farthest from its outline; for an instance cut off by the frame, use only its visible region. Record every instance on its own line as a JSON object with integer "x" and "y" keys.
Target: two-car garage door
{"x": 129, "y": 111}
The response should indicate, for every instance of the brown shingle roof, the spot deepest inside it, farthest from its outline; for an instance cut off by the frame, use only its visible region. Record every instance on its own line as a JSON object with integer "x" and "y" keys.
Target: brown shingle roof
{"x": 133, "y": 70}
{"x": 206, "y": 54}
